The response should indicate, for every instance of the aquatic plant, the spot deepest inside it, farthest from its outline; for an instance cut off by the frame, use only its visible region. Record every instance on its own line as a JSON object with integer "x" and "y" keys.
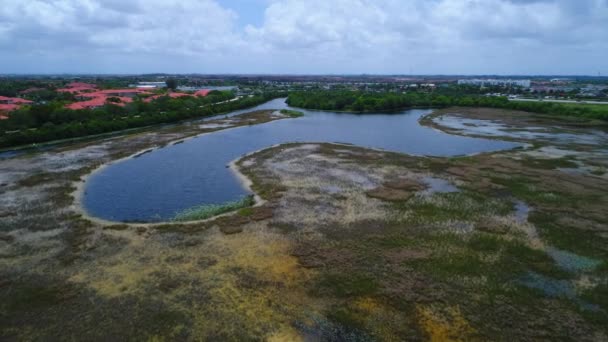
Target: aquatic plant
{"x": 206, "y": 211}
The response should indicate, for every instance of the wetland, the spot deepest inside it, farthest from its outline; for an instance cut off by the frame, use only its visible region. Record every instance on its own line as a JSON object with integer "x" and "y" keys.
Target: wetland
{"x": 454, "y": 224}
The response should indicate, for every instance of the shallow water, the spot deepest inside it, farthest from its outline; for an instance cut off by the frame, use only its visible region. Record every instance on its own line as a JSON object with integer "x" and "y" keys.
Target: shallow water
{"x": 157, "y": 185}
{"x": 572, "y": 262}
{"x": 522, "y": 211}
{"x": 493, "y": 128}
{"x": 438, "y": 185}
{"x": 10, "y": 154}
{"x": 549, "y": 286}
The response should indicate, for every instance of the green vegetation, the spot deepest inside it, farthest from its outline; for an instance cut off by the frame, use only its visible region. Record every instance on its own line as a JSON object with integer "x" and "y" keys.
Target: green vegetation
{"x": 52, "y": 121}
{"x": 206, "y": 211}
{"x": 346, "y": 285}
{"x": 171, "y": 83}
{"x": 357, "y": 101}
{"x": 292, "y": 113}
{"x": 549, "y": 164}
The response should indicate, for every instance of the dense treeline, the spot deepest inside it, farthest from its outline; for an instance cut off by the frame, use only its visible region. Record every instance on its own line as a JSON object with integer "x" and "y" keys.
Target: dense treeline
{"x": 366, "y": 102}
{"x": 52, "y": 121}
{"x": 12, "y": 88}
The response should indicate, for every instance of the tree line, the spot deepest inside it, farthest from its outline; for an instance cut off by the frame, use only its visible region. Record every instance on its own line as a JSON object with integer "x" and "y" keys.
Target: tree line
{"x": 52, "y": 121}
{"x": 356, "y": 101}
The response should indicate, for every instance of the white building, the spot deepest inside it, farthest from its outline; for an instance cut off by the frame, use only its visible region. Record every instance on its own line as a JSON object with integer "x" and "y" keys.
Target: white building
{"x": 149, "y": 85}
{"x": 496, "y": 82}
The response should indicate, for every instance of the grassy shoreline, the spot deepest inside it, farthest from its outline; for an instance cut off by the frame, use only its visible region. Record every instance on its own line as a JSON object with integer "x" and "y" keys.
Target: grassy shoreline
{"x": 206, "y": 211}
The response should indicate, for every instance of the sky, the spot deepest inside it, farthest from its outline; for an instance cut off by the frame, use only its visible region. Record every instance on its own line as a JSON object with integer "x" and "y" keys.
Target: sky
{"x": 502, "y": 37}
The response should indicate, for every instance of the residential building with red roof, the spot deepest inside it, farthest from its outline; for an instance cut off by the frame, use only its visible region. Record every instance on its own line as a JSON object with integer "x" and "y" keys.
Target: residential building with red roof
{"x": 8, "y": 104}
{"x": 13, "y": 100}
{"x": 8, "y": 107}
{"x": 119, "y": 92}
{"x": 77, "y": 87}
{"x": 92, "y": 103}
{"x": 94, "y": 98}
{"x": 18, "y": 101}
{"x": 99, "y": 101}
{"x": 172, "y": 95}
{"x": 202, "y": 93}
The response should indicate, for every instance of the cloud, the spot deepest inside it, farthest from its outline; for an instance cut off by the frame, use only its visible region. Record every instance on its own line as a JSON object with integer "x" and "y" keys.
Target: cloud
{"x": 185, "y": 27}
{"x": 454, "y": 33}
{"x": 293, "y": 23}
{"x": 311, "y": 36}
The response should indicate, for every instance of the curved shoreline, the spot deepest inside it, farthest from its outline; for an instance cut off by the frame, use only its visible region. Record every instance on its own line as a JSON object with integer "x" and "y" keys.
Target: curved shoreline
{"x": 234, "y": 168}
{"x": 80, "y": 185}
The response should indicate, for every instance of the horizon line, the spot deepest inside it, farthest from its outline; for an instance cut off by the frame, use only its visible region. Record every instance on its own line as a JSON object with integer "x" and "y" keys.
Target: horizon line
{"x": 295, "y": 74}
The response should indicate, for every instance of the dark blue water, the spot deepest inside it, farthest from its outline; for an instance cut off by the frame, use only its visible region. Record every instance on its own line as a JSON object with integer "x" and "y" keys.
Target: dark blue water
{"x": 157, "y": 185}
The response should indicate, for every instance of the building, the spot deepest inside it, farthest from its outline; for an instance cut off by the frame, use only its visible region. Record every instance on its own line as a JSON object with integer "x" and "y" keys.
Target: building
{"x": 8, "y": 104}
{"x": 95, "y": 102}
{"x": 118, "y": 92}
{"x": 172, "y": 95}
{"x": 202, "y": 93}
{"x": 149, "y": 85}
{"x": 78, "y": 87}
{"x": 13, "y": 100}
{"x": 496, "y": 82}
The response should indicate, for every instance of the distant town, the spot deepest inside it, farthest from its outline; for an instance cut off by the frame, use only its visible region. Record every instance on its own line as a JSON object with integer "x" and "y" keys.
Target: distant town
{"x": 90, "y": 92}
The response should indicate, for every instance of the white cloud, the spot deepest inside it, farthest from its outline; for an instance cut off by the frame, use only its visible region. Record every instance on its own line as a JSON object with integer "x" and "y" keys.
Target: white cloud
{"x": 187, "y": 27}
{"x": 314, "y": 35}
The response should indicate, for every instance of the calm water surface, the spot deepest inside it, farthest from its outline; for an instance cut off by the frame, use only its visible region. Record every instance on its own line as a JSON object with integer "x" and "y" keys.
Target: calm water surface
{"x": 157, "y": 185}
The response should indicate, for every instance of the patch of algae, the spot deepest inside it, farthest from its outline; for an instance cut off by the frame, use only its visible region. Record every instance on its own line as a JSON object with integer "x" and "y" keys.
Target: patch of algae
{"x": 444, "y": 325}
{"x": 260, "y": 286}
{"x": 238, "y": 286}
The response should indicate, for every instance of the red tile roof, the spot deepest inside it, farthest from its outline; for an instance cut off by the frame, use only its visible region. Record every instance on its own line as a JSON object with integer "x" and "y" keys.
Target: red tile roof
{"x": 8, "y": 107}
{"x": 203, "y": 92}
{"x": 149, "y": 99}
{"x": 95, "y": 102}
{"x": 14, "y": 100}
{"x": 176, "y": 95}
{"x": 98, "y": 101}
{"x": 12, "y": 103}
{"x": 114, "y": 93}
{"x": 17, "y": 100}
{"x": 173, "y": 95}
{"x": 99, "y": 98}
{"x": 77, "y": 87}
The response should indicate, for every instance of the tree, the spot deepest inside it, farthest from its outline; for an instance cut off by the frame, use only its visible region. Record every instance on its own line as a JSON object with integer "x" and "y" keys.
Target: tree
{"x": 171, "y": 83}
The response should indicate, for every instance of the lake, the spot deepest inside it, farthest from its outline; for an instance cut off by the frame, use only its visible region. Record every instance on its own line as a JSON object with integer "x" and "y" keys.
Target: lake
{"x": 155, "y": 186}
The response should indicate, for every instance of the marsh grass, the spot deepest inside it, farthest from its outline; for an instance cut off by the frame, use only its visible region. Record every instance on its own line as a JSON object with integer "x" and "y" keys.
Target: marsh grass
{"x": 206, "y": 211}
{"x": 445, "y": 207}
{"x": 549, "y": 164}
{"x": 586, "y": 243}
{"x": 292, "y": 113}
